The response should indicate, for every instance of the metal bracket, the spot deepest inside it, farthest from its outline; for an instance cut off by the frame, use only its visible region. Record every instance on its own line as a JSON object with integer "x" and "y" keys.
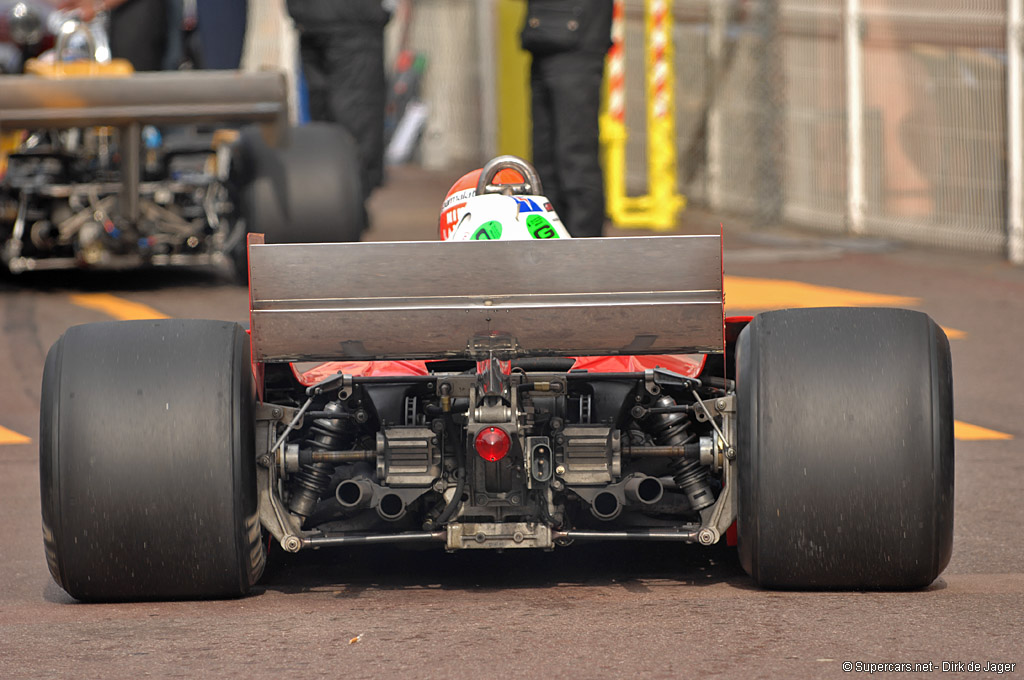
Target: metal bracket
{"x": 285, "y": 527}
{"x": 281, "y": 524}
{"x": 346, "y": 383}
{"x": 722, "y": 405}
{"x": 499, "y": 535}
{"x": 717, "y": 519}
{"x": 497, "y": 345}
{"x": 655, "y": 378}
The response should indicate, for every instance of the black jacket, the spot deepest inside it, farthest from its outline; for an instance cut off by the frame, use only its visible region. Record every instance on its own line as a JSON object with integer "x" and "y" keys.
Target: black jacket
{"x": 313, "y": 16}
{"x": 554, "y": 26}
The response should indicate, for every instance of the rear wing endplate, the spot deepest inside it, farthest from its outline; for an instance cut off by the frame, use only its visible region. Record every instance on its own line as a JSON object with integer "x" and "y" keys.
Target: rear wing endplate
{"x": 437, "y": 300}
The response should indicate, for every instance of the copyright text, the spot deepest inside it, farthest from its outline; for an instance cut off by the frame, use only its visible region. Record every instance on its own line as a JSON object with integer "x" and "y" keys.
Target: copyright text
{"x": 930, "y": 667}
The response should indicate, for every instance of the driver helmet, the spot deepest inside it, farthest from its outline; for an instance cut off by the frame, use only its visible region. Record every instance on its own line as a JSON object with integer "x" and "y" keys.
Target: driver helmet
{"x": 468, "y": 216}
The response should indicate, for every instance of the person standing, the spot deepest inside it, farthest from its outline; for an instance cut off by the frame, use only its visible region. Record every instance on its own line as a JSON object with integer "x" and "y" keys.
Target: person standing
{"x": 568, "y": 40}
{"x": 138, "y": 28}
{"x": 342, "y": 49}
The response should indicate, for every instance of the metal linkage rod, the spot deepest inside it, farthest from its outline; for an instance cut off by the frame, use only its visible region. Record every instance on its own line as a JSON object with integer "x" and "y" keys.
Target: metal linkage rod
{"x": 330, "y": 540}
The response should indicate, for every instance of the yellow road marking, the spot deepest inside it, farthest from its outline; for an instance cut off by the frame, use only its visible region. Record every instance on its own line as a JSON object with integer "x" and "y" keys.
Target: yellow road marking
{"x": 12, "y": 437}
{"x": 747, "y": 293}
{"x": 966, "y": 432}
{"x": 750, "y": 294}
{"x": 119, "y": 308}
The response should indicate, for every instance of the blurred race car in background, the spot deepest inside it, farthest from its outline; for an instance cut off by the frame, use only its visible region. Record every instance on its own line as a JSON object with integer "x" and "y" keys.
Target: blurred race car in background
{"x": 516, "y": 389}
{"x": 101, "y": 167}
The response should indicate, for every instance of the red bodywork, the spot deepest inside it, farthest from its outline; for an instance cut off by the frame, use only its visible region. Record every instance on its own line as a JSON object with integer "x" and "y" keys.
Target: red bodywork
{"x": 689, "y": 365}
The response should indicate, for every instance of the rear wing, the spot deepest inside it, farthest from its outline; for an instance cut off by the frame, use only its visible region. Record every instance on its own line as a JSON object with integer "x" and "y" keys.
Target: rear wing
{"x": 438, "y": 300}
{"x": 168, "y": 97}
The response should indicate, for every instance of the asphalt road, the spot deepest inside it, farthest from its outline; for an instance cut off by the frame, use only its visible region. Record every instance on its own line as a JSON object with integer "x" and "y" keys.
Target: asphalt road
{"x": 589, "y": 611}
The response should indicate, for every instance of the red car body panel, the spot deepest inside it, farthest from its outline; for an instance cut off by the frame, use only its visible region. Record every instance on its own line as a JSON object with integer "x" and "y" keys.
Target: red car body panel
{"x": 689, "y": 365}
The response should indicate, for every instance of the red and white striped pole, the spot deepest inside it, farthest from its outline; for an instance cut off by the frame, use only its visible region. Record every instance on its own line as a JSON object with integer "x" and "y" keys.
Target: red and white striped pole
{"x": 617, "y": 66}
{"x": 664, "y": 199}
{"x": 658, "y": 207}
{"x": 658, "y": 36}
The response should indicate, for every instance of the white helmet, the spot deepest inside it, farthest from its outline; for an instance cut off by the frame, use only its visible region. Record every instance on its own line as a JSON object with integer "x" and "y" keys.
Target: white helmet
{"x": 478, "y": 209}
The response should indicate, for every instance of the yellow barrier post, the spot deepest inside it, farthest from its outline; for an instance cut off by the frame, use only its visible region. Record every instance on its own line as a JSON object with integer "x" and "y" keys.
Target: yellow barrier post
{"x": 513, "y": 83}
{"x": 658, "y": 208}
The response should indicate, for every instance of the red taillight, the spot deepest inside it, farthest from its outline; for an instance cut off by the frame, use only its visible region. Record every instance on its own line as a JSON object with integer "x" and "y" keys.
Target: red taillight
{"x": 492, "y": 443}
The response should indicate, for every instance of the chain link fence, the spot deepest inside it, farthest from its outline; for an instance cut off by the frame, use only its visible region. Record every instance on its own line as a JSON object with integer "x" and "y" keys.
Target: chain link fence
{"x": 879, "y": 117}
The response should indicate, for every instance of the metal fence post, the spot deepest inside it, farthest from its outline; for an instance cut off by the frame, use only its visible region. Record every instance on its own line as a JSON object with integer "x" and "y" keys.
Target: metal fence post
{"x": 854, "y": 118}
{"x": 1015, "y": 131}
{"x": 716, "y": 55}
{"x": 486, "y": 25}
{"x": 770, "y": 91}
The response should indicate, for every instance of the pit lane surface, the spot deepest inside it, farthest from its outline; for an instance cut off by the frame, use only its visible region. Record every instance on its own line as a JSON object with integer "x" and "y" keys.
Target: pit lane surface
{"x": 586, "y": 611}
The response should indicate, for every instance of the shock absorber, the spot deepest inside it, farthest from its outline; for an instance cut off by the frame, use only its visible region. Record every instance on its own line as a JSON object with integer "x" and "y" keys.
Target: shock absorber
{"x": 672, "y": 429}
{"x": 313, "y": 480}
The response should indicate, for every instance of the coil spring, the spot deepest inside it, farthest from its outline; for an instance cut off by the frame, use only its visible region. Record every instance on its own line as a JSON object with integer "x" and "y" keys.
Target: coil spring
{"x": 314, "y": 480}
{"x": 672, "y": 429}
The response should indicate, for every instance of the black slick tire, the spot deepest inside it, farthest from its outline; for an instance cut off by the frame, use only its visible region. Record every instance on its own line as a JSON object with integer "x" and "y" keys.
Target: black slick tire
{"x": 845, "y": 445}
{"x": 146, "y": 458}
{"x": 307, "y": 191}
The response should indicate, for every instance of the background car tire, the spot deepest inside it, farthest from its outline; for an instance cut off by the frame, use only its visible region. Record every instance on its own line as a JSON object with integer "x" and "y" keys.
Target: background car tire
{"x": 845, "y": 449}
{"x": 147, "y": 464}
{"x": 307, "y": 191}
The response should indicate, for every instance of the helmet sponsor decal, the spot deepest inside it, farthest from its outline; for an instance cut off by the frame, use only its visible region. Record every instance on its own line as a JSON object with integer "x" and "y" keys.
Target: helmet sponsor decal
{"x": 451, "y": 211}
{"x": 540, "y": 227}
{"x": 458, "y": 197}
{"x": 527, "y": 204}
{"x": 488, "y": 231}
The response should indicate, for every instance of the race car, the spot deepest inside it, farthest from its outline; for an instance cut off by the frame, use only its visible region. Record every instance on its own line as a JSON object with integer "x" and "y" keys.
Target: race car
{"x": 496, "y": 394}
{"x": 104, "y": 168}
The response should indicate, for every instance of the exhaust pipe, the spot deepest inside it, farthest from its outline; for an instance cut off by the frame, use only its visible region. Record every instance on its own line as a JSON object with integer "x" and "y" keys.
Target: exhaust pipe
{"x": 391, "y": 507}
{"x": 606, "y": 506}
{"x": 360, "y": 492}
{"x": 643, "y": 489}
{"x": 637, "y": 489}
{"x": 355, "y": 494}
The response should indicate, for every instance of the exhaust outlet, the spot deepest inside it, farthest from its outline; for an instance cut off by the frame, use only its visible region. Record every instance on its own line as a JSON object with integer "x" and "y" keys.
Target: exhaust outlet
{"x": 643, "y": 489}
{"x": 355, "y": 494}
{"x": 606, "y": 506}
{"x": 391, "y": 507}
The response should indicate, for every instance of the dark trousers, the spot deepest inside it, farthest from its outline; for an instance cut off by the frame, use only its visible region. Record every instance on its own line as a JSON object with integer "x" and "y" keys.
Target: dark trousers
{"x": 139, "y": 33}
{"x": 566, "y": 101}
{"x": 221, "y": 32}
{"x": 344, "y": 73}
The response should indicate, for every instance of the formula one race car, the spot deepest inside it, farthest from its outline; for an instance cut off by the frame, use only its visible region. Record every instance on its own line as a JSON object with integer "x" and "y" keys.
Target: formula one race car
{"x": 508, "y": 394}
{"x": 101, "y": 167}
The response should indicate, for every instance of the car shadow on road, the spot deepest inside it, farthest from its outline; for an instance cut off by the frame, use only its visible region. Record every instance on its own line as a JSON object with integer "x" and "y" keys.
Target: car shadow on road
{"x": 626, "y": 565}
{"x": 128, "y": 280}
